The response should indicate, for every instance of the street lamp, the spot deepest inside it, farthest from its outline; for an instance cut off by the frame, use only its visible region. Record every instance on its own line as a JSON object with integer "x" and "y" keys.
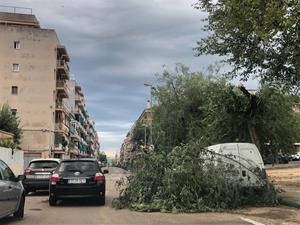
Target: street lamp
{"x": 145, "y": 134}
{"x": 151, "y": 87}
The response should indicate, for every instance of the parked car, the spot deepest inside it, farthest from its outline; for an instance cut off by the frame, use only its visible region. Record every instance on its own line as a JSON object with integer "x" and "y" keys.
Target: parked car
{"x": 244, "y": 162}
{"x": 281, "y": 159}
{"x": 295, "y": 157}
{"x": 77, "y": 178}
{"x": 12, "y": 194}
{"x": 37, "y": 174}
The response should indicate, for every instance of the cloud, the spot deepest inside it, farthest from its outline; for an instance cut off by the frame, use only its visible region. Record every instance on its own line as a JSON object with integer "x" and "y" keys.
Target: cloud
{"x": 115, "y": 46}
{"x": 112, "y": 142}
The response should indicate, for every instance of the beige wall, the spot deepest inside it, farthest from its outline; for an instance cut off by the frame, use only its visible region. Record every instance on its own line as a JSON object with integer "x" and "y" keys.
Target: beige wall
{"x": 36, "y": 81}
{"x": 15, "y": 161}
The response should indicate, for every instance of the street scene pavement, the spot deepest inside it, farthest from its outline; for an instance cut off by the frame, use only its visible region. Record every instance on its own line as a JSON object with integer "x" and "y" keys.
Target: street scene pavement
{"x": 287, "y": 178}
{"x": 37, "y": 211}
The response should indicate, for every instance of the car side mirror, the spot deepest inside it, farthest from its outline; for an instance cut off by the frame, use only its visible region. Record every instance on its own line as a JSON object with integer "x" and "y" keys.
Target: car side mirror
{"x": 20, "y": 177}
{"x": 104, "y": 171}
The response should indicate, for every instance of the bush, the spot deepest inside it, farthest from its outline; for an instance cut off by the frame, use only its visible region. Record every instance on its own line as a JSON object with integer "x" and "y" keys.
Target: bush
{"x": 184, "y": 180}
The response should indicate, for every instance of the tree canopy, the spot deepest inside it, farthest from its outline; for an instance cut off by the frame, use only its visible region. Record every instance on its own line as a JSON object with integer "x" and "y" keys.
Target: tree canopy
{"x": 102, "y": 157}
{"x": 195, "y": 110}
{"x": 258, "y": 38}
{"x": 193, "y": 106}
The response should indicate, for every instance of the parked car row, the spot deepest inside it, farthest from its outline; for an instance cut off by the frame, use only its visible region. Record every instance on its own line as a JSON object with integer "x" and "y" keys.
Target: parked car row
{"x": 71, "y": 178}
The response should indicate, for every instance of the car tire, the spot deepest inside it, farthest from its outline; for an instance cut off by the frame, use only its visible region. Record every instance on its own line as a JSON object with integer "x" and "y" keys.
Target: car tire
{"x": 101, "y": 200}
{"x": 26, "y": 192}
{"x": 19, "y": 214}
{"x": 52, "y": 201}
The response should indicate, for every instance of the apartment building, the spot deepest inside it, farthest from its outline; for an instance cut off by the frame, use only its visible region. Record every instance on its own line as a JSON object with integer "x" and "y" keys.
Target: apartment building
{"x": 34, "y": 76}
{"x": 129, "y": 148}
{"x": 84, "y": 140}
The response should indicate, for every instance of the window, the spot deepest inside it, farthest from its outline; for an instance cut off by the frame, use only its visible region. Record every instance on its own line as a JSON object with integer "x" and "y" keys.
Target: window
{"x": 14, "y": 90}
{"x": 16, "y": 67}
{"x": 14, "y": 112}
{"x": 7, "y": 174}
{"x": 17, "y": 45}
{"x": 43, "y": 164}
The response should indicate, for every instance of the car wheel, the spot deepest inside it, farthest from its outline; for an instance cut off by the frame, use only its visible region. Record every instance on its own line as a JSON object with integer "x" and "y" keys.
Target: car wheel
{"x": 20, "y": 212}
{"x": 26, "y": 192}
{"x": 52, "y": 201}
{"x": 101, "y": 200}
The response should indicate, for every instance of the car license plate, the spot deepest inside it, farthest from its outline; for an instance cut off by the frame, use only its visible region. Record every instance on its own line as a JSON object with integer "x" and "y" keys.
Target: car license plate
{"x": 77, "y": 181}
{"x": 38, "y": 176}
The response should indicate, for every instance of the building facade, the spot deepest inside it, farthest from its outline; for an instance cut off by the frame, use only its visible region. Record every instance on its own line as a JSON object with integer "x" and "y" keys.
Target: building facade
{"x": 129, "y": 148}
{"x": 34, "y": 79}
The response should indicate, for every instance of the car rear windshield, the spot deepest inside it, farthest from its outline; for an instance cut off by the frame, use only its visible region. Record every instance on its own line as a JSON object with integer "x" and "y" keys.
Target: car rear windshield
{"x": 43, "y": 164}
{"x": 78, "y": 166}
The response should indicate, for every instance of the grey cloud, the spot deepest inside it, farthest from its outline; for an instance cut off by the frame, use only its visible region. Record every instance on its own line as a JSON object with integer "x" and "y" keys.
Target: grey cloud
{"x": 117, "y": 45}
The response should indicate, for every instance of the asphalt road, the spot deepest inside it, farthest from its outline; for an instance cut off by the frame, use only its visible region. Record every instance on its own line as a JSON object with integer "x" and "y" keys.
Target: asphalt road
{"x": 37, "y": 211}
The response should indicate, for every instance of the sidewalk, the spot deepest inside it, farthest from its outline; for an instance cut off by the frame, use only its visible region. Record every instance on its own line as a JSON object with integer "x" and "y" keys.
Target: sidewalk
{"x": 290, "y": 196}
{"x": 287, "y": 178}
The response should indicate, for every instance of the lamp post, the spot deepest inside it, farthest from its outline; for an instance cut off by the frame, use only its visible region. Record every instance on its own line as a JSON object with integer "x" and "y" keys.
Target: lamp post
{"x": 150, "y": 85}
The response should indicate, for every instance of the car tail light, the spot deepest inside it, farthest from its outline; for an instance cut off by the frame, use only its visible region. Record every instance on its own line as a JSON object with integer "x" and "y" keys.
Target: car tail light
{"x": 99, "y": 177}
{"x": 54, "y": 178}
{"x": 27, "y": 171}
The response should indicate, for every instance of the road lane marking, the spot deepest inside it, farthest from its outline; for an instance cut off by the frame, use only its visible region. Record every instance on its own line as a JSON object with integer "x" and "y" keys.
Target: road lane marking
{"x": 251, "y": 221}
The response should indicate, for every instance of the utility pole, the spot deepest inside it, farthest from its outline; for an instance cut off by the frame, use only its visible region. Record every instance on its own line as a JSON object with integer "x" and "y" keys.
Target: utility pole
{"x": 150, "y": 122}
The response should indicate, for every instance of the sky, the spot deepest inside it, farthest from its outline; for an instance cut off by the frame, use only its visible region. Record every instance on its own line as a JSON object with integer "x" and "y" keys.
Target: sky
{"x": 115, "y": 46}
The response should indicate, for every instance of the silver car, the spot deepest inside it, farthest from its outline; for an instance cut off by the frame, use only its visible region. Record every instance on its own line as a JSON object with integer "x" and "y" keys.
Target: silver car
{"x": 12, "y": 195}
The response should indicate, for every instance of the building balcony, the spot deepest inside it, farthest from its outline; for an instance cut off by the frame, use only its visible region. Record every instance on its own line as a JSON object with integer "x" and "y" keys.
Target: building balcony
{"x": 75, "y": 137}
{"x": 61, "y": 107}
{"x": 62, "y": 88}
{"x": 62, "y": 53}
{"x": 62, "y": 68}
{"x": 79, "y": 100}
{"x": 61, "y": 128}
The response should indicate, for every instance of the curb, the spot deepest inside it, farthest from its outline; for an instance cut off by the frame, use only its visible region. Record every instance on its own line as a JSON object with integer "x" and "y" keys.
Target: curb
{"x": 283, "y": 166}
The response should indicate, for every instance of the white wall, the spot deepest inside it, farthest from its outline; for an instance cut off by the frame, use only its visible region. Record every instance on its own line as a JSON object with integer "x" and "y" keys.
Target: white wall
{"x": 15, "y": 161}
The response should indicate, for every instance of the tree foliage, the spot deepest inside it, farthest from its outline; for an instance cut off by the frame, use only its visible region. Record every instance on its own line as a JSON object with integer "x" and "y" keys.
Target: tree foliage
{"x": 102, "y": 157}
{"x": 195, "y": 110}
{"x": 10, "y": 123}
{"x": 181, "y": 181}
{"x": 258, "y": 37}
{"x": 194, "y": 107}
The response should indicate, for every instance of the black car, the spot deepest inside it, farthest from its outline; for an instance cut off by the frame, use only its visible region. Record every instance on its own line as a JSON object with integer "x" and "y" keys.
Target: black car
{"x": 37, "y": 174}
{"x": 77, "y": 178}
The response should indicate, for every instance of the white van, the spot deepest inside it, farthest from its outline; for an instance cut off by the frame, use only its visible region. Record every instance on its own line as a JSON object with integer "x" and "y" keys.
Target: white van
{"x": 242, "y": 161}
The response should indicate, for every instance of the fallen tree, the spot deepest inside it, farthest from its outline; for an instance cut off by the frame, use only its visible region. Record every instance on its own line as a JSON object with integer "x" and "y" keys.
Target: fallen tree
{"x": 187, "y": 179}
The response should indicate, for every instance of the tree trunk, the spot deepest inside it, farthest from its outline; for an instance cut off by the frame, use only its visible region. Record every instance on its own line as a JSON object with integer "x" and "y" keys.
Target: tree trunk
{"x": 253, "y": 136}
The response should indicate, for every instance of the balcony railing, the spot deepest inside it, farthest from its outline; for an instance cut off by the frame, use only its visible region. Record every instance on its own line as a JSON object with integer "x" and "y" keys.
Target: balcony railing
{"x": 61, "y": 106}
{"x": 62, "y": 52}
{"x": 79, "y": 99}
{"x": 63, "y": 68}
{"x": 62, "y": 88}
{"x": 61, "y": 127}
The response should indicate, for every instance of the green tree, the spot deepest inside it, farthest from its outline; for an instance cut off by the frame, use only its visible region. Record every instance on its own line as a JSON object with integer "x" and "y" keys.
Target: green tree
{"x": 10, "y": 123}
{"x": 278, "y": 125}
{"x": 102, "y": 157}
{"x": 258, "y": 38}
{"x": 194, "y": 107}
{"x": 195, "y": 110}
